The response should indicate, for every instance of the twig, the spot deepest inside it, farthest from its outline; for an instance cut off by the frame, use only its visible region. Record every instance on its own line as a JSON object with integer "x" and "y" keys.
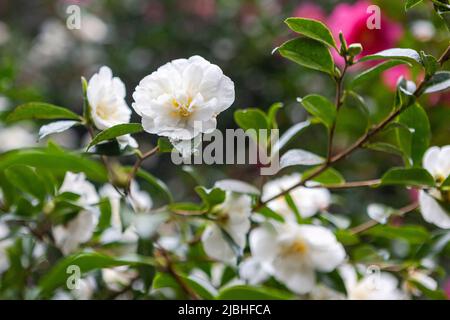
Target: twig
{"x": 372, "y": 223}
{"x": 171, "y": 270}
{"x": 138, "y": 164}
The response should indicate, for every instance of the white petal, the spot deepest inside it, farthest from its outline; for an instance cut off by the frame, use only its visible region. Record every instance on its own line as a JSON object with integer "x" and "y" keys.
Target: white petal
{"x": 432, "y": 212}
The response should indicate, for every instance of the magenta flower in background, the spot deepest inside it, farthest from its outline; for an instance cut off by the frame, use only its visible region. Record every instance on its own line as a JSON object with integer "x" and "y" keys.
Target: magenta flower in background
{"x": 447, "y": 288}
{"x": 311, "y": 11}
{"x": 352, "y": 19}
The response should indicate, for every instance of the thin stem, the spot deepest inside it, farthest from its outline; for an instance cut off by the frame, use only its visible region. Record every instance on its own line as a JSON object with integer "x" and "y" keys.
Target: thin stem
{"x": 171, "y": 270}
{"x": 338, "y": 103}
{"x": 372, "y": 223}
{"x": 138, "y": 164}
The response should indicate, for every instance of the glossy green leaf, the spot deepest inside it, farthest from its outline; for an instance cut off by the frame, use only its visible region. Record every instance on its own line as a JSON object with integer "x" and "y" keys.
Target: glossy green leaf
{"x": 116, "y": 131}
{"x": 408, "y": 177}
{"x": 40, "y": 110}
{"x": 202, "y": 289}
{"x": 26, "y": 180}
{"x": 86, "y": 261}
{"x": 407, "y": 55}
{"x": 58, "y": 161}
{"x": 242, "y": 292}
{"x": 412, "y": 3}
{"x": 372, "y": 73}
{"x": 329, "y": 176}
{"x": 308, "y": 53}
{"x": 416, "y": 143}
{"x": 320, "y": 107}
{"x": 412, "y": 233}
{"x": 312, "y": 29}
{"x": 210, "y": 197}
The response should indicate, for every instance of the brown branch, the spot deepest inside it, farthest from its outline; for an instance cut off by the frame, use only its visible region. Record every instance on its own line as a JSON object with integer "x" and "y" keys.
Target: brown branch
{"x": 138, "y": 164}
{"x": 171, "y": 270}
{"x": 372, "y": 223}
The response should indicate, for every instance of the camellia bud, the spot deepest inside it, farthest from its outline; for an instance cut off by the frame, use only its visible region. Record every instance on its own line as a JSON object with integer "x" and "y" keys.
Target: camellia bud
{"x": 119, "y": 176}
{"x": 354, "y": 49}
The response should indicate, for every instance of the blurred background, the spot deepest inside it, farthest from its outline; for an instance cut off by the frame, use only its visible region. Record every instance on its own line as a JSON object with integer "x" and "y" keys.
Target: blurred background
{"x": 42, "y": 60}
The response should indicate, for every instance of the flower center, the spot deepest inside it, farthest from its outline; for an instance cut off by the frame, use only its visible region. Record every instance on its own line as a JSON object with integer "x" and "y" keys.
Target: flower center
{"x": 298, "y": 246}
{"x": 104, "y": 111}
{"x": 181, "y": 109}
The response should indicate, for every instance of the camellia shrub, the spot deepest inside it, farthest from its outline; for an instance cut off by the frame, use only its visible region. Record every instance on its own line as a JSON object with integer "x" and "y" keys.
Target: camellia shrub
{"x": 92, "y": 223}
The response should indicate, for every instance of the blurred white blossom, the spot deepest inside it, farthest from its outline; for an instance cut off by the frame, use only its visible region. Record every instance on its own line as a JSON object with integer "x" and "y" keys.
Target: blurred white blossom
{"x": 437, "y": 161}
{"x": 232, "y": 217}
{"x": 308, "y": 201}
{"x": 106, "y": 96}
{"x": 292, "y": 253}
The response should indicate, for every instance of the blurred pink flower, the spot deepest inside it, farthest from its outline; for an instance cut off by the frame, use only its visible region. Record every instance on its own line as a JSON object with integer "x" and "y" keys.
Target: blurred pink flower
{"x": 155, "y": 12}
{"x": 440, "y": 98}
{"x": 352, "y": 19}
{"x": 202, "y": 8}
{"x": 310, "y": 10}
{"x": 447, "y": 288}
{"x": 391, "y": 76}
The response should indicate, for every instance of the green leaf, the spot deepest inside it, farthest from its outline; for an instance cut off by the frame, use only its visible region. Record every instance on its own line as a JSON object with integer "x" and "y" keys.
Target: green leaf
{"x": 416, "y": 143}
{"x": 408, "y": 177}
{"x": 375, "y": 71}
{"x": 201, "y": 288}
{"x": 297, "y": 157}
{"x": 242, "y": 292}
{"x": 346, "y": 237}
{"x": 157, "y": 185}
{"x": 430, "y": 63}
{"x": 272, "y": 114}
{"x": 40, "y": 110}
{"x": 116, "y": 131}
{"x": 251, "y": 118}
{"x": 210, "y": 197}
{"x": 440, "y": 81}
{"x": 24, "y": 178}
{"x": 411, "y": 3}
{"x": 320, "y": 107}
{"x": 86, "y": 261}
{"x": 164, "y": 145}
{"x": 187, "y": 209}
{"x": 329, "y": 176}
{"x": 105, "y": 214}
{"x": 412, "y": 233}
{"x": 269, "y": 213}
{"x": 58, "y": 161}
{"x": 308, "y": 53}
{"x": 407, "y": 55}
{"x": 446, "y": 182}
{"x": 385, "y": 147}
{"x": 312, "y": 29}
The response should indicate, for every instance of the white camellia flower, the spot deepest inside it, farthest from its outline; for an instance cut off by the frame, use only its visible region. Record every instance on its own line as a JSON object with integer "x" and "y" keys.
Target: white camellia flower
{"x": 106, "y": 96}
{"x": 373, "y": 286}
{"x": 253, "y": 271}
{"x": 421, "y": 277}
{"x": 183, "y": 98}
{"x": 292, "y": 253}
{"x": 118, "y": 277}
{"x": 79, "y": 229}
{"x": 308, "y": 201}
{"x": 233, "y": 216}
{"x": 437, "y": 162}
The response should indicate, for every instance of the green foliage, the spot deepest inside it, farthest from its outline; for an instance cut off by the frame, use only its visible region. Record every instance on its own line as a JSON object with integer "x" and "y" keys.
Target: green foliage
{"x": 312, "y": 29}
{"x": 308, "y": 53}
{"x": 408, "y": 177}
{"x": 116, "y": 131}
{"x": 321, "y": 108}
{"x": 40, "y": 110}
